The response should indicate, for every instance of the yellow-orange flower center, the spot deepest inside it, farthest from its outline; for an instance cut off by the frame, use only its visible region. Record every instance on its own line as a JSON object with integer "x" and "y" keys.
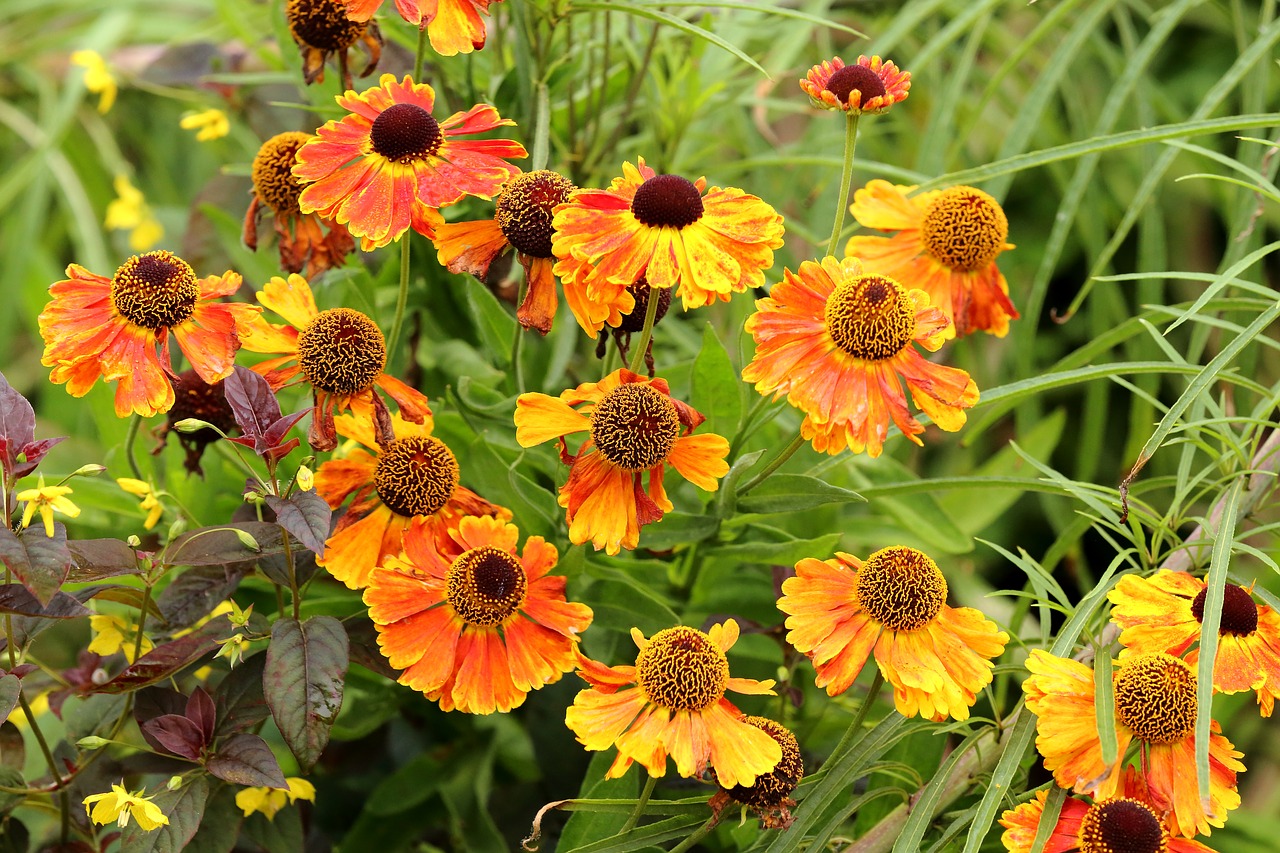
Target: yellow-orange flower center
{"x": 405, "y": 133}
{"x": 775, "y": 786}
{"x": 902, "y": 588}
{"x": 416, "y": 475}
{"x": 1122, "y": 826}
{"x": 323, "y": 24}
{"x": 155, "y": 291}
{"x": 524, "y": 210}
{"x": 1239, "y": 613}
{"x": 641, "y": 292}
{"x": 870, "y": 317}
{"x": 635, "y": 426}
{"x": 342, "y": 351}
{"x": 486, "y": 585}
{"x": 667, "y": 200}
{"x": 681, "y": 669}
{"x": 273, "y": 179}
{"x": 1156, "y": 697}
{"x": 964, "y": 228}
{"x": 860, "y": 77}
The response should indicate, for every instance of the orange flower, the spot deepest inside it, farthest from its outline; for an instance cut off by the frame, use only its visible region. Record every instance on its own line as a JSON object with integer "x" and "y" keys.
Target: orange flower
{"x": 664, "y": 228}
{"x": 1155, "y": 704}
{"x": 672, "y": 703}
{"x": 414, "y": 476}
{"x": 302, "y": 237}
{"x": 1131, "y": 823}
{"x": 111, "y": 328}
{"x": 868, "y": 86}
{"x": 389, "y": 164}
{"x": 635, "y": 427}
{"x": 836, "y": 341}
{"x": 321, "y": 28}
{"x": 340, "y": 352}
{"x": 770, "y": 796}
{"x": 947, "y": 244}
{"x": 842, "y": 611}
{"x": 1163, "y": 613}
{"x": 474, "y": 624}
{"x": 454, "y": 26}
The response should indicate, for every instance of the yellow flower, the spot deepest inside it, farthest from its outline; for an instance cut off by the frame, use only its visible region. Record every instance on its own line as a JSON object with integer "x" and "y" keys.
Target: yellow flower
{"x": 306, "y": 478}
{"x": 271, "y": 800}
{"x": 130, "y": 210}
{"x": 119, "y": 805}
{"x": 150, "y": 504}
{"x": 211, "y": 124}
{"x": 46, "y": 499}
{"x": 110, "y": 636}
{"x": 97, "y": 78}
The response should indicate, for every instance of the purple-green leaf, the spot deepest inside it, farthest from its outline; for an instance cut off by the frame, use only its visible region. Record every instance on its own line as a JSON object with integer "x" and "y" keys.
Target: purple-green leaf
{"x": 245, "y": 759}
{"x": 95, "y": 559}
{"x": 303, "y": 681}
{"x": 18, "y": 433}
{"x": 17, "y": 599}
{"x": 214, "y": 546}
{"x": 198, "y": 590}
{"x": 239, "y": 698}
{"x": 176, "y": 734}
{"x": 40, "y": 562}
{"x": 306, "y": 515}
{"x": 10, "y": 689}
{"x": 168, "y": 659}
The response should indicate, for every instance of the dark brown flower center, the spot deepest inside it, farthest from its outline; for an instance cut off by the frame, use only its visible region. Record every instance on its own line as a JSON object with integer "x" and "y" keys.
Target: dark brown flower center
{"x": 342, "y": 351}
{"x": 525, "y": 207}
{"x": 323, "y": 24}
{"x": 156, "y": 291}
{"x": 771, "y": 788}
{"x": 859, "y": 77}
{"x": 681, "y": 669}
{"x": 641, "y": 292}
{"x": 635, "y": 426}
{"x": 964, "y": 228}
{"x": 273, "y": 179}
{"x": 902, "y": 588}
{"x": 416, "y": 476}
{"x": 667, "y": 200}
{"x": 1239, "y": 613}
{"x": 486, "y": 585}
{"x": 870, "y": 317}
{"x": 1156, "y": 697}
{"x": 195, "y": 398}
{"x": 1122, "y": 826}
{"x": 404, "y": 133}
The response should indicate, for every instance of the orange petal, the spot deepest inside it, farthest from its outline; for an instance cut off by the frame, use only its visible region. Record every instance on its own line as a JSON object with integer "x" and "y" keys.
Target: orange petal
{"x": 541, "y": 418}
{"x": 700, "y": 459}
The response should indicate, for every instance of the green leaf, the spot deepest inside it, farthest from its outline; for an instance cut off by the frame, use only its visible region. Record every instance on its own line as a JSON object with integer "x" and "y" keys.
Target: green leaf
{"x": 10, "y": 690}
{"x": 671, "y": 20}
{"x": 644, "y": 837}
{"x": 717, "y": 392}
{"x": 925, "y": 807}
{"x": 535, "y": 508}
{"x": 794, "y": 492}
{"x": 494, "y": 324}
{"x": 303, "y": 679}
{"x": 1215, "y": 586}
{"x": 1049, "y": 817}
{"x": 585, "y": 827}
{"x": 782, "y": 553}
{"x": 11, "y": 777}
{"x": 677, "y": 528}
{"x": 184, "y": 808}
{"x": 1104, "y": 705}
{"x": 221, "y": 824}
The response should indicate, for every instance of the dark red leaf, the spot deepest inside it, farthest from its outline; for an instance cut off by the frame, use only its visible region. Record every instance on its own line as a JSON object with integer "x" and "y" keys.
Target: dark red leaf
{"x": 245, "y": 759}
{"x": 253, "y": 403}
{"x": 241, "y": 704}
{"x": 13, "y": 746}
{"x": 96, "y": 559}
{"x": 198, "y": 590}
{"x": 16, "y": 598}
{"x": 280, "y": 427}
{"x": 363, "y": 637}
{"x": 214, "y": 546}
{"x": 201, "y": 711}
{"x": 150, "y": 703}
{"x": 176, "y": 734}
{"x": 41, "y": 562}
{"x": 306, "y": 515}
{"x": 17, "y": 427}
{"x": 303, "y": 682}
{"x": 168, "y": 659}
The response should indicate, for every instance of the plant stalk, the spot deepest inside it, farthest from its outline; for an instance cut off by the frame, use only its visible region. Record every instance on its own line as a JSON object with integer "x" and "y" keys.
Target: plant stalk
{"x": 650, "y": 316}
{"x": 846, "y": 179}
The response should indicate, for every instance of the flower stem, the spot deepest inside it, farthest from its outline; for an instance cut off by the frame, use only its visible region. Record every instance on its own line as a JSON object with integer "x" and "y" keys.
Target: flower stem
{"x": 650, "y": 315}
{"x": 420, "y": 57}
{"x": 402, "y": 298}
{"x": 640, "y": 804}
{"x": 699, "y": 834}
{"x": 130, "y": 437}
{"x": 142, "y": 621}
{"x": 846, "y": 178}
{"x": 861, "y": 716}
{"x": 778, "y": 461}
{"x": 517, "y": 371}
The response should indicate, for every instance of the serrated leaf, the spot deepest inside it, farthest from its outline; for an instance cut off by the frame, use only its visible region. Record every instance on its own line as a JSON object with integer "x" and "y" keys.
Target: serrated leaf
{"x": 245, "y": 759}
{"x": 794, "y": 492}
{"x": 717, "y": 392}
{"x": 40, "y": 562}
{"x": 303, "y": 682}
{"x": 184, "y": 808}
{"x": 304, "y": 514}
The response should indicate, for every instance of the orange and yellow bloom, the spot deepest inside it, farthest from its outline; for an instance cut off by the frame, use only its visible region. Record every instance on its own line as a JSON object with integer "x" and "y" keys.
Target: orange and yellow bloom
{"x": 1155, "y": 705}
{"x": 473, "y": 623}
{"x": 870, "y": 85}
{"x": 947, "y": 244}
{"x": 635, "y": 427}
{"x": 453, "y": 26}
{"x": 672, "y": 703}
{"x": 674, "y": 232}
{"x": 893, "y": 605}
{"x": 321, "y": 28}
{"x": 1162, "y": 614}
{"x": 118, "y": 329}
{"x": 838, "y": 342}
{"x": 340, "y": 352}
{"x": 389, "y": 165}
{"x": 412, "y": 476}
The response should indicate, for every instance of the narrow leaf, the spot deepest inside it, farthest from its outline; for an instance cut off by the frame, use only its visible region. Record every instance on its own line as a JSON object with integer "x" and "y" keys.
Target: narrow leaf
{"x": 1215, "y": 585}
{"x": 1104, "y": 705}
{"x": 303, "y": 682}
{"x": 794, "y": 492}
{"x": 245, "y": 759}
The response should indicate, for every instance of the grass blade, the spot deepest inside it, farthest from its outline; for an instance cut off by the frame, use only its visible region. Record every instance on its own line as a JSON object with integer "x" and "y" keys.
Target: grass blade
{"x": 1216, "y": 581}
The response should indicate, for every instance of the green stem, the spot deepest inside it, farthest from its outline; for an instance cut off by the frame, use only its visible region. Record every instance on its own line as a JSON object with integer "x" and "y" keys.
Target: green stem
{"x": 402, "y": 298}
{"x": 142, "y": 621}
{"x": 542, "y": 130}
{"x": 130, "y": 437}
{"x": 778, "y": 461}
{"x": 44, "y": 744}
{"x": 701, "y": 833}
{"x": 293, "y": 578}
{"x": 517, "y": 371}
{"x": 420, "y": 57}
{"x": 640, "y": 804}
{"x": 861, "y": 716}
{"x": 650, "y": 315}
{"x": 846, "y": 178}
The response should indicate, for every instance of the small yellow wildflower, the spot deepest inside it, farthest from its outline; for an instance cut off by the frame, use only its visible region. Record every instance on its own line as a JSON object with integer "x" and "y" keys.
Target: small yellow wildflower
{"x": 112, "y": 634}
{"x": 97, "y": 78}
{"x": 211, "y": 124}
{"x": 150, "y": 503}
{"x": 271, "y": 800}
{"x": 130, "y": 210}
{"x": 306, "y": 478}
{"x": 46, "y": 499}
{"x": 119, "y": 805}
